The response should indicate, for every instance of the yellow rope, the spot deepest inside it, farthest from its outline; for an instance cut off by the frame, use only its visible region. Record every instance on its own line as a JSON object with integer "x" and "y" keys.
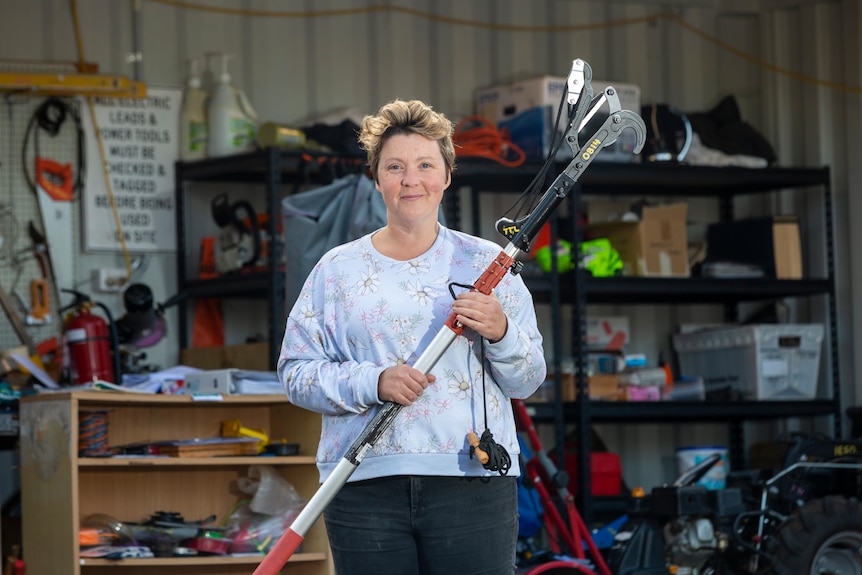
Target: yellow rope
{"x": 762, "y": 63}
{"x": 104, "y": 161}
{"x": 516, "y": 28}
{"x": 402, "y": 10}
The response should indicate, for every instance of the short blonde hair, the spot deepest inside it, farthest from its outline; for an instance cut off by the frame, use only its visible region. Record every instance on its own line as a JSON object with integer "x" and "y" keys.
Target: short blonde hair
{"x": 406, "y": 117}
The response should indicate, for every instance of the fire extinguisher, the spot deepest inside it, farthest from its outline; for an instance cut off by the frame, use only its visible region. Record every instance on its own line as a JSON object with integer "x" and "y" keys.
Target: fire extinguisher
{"x": 90, "y": 343}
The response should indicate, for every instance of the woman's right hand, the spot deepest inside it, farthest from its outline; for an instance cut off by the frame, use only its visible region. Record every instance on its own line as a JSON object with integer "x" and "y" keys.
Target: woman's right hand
{"x": 402, "y": 384}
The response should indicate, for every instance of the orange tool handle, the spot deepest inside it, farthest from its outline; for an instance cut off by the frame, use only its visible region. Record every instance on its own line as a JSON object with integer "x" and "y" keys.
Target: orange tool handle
{"x": 39, "y": 308}
{"x": 480, "y": 453}
{"x": 485, "y": 284}
{"x": 55, "y": 179}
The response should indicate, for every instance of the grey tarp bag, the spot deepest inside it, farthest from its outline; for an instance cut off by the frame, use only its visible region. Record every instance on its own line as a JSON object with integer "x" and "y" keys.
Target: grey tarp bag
{"x": 320, "y": 219}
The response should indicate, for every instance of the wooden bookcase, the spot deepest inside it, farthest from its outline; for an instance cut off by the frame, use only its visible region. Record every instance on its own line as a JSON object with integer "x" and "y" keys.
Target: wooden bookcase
{"x": 59, "y": 488}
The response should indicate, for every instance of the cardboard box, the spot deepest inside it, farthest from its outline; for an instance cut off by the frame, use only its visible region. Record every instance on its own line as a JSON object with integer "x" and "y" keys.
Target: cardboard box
{"x": 768, "y": 361}
{"x": 657, "y": 245}
{"x": 527, "y": 110}
{"x": 251, "y": 356}
{"x": 215, "y": 381}
{"x": 771, "y": 243}
{"x": 607, "y": 333}
{"x": 603, "y": 387}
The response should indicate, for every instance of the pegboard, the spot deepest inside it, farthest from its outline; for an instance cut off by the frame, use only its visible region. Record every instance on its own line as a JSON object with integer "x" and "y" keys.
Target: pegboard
{"x": 19, "y": 206}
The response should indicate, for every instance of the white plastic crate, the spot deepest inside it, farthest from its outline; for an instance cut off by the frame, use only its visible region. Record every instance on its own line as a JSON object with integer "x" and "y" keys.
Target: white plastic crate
{"x": 761, "y": 361}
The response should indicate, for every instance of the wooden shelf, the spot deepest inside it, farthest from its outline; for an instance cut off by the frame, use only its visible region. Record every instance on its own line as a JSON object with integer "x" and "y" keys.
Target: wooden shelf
{"x": 60, "y": 489}
{"x": 193, "y": 461}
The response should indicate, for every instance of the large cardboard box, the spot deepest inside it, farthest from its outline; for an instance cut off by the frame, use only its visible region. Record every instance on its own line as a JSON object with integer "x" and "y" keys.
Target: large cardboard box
{"x": 771, "y": 243}
{"x": 656, "y": 245}
{"x": 527, "y": 109}
{"x": 250, "y": 356}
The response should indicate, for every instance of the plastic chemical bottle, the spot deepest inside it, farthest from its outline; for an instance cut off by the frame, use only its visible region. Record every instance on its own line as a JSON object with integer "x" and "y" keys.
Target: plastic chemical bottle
{"x": 193, "y": 117}
{"x": 232, "y": 121}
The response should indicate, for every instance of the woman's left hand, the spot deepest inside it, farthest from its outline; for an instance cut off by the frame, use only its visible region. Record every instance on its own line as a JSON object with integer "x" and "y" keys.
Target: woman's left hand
{"x": 481, "y": 313}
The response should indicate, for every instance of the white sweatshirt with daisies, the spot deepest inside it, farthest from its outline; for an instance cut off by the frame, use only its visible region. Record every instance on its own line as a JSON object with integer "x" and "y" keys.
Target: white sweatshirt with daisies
{"x": 360, "y": 312}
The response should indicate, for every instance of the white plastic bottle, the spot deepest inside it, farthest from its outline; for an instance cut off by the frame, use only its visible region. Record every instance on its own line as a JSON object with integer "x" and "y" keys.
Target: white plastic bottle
{"x": 232, "y": 121}
{"x": 193, "y": 117}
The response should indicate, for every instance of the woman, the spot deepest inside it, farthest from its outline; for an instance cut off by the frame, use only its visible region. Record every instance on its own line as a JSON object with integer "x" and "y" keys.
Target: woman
{"x": 419, "y": 502}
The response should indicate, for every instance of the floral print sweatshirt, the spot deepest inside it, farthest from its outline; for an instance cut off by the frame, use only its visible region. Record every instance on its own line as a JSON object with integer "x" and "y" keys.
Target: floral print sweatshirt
{"x": 360, "y": 312}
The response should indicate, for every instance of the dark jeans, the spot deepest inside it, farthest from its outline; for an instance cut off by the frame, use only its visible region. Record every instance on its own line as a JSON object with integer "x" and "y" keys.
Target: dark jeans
{"x": 424, "y": 526}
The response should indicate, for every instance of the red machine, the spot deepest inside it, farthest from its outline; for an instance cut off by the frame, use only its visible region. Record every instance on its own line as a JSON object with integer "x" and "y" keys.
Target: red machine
{"x": 89, "y": 346}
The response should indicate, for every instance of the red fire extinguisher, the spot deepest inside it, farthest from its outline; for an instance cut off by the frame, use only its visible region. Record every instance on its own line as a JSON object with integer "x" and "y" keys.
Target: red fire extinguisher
{"x": 89, "y": 346}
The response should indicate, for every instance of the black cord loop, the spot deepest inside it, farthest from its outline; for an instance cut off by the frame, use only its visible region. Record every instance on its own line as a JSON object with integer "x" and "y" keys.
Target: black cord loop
{"x": 499, "y": 459}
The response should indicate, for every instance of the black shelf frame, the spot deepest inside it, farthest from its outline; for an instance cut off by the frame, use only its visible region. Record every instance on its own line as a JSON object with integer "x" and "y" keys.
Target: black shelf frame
{"x": 659, "y": 290}
{"x": 686, "y": 411}
{"x": 280, "y": 172}
{"x": 661, "y": 179}
{"x": 579, "y": 288}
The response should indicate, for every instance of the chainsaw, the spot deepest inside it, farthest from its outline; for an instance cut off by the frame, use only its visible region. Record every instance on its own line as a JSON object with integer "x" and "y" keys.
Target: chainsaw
{"x": 238, "y": 244}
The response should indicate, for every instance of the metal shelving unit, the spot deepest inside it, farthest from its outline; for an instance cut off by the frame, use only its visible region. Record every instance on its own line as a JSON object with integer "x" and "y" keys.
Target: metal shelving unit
{"x": 579, "y": 288}
{"x": 278, "y": 172}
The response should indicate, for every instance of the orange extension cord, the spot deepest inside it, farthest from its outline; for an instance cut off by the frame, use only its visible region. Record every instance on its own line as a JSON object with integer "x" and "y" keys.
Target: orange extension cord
{"x": 477, "y": 137}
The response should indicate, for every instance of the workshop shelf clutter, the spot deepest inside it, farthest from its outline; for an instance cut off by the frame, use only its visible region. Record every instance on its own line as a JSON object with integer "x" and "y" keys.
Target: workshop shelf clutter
{"x": 692, "y": 198}
{"x": 185, "y": 510}
{"x": 526, "y": 111}
{"x": 757, "y": 362}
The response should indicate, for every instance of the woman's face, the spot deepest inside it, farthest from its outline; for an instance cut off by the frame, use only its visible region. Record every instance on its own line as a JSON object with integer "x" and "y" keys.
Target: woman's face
{"x": 412, "y": 176}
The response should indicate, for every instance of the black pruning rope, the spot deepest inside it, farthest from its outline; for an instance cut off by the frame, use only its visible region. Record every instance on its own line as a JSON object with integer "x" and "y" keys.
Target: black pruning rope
{"x": 491, "y": 454}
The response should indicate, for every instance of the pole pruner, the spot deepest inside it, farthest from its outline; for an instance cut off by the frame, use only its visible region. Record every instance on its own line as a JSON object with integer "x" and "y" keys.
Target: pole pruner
{"x": 520, "y": 233}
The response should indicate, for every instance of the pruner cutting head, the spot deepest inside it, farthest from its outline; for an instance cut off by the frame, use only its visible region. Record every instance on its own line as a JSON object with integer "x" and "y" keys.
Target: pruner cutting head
{"x": 628, "y": 119}
{"x": 609, "y": 131}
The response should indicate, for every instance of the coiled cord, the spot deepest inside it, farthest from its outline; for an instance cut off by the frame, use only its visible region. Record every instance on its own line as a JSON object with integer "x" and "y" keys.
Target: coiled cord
{"x": 498, "y": 459}
{"x": 477, "y": 137}
{"x": 49, "y": 117}
{"x": 92, "y": 433}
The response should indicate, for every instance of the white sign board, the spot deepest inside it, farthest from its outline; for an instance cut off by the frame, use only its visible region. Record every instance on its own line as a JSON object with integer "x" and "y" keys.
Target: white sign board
{"x": 140, "y": 139}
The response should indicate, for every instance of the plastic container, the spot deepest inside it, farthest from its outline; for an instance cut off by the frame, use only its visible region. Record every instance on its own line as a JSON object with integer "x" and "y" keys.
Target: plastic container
{"x": 271, "y": 134}
{"x": 766, "y": 361}
{"x": 193, "y": 117}
{"x": 232, "y": 122}
{"x": 716, "y": 477}
{"x": 606, "y": 474}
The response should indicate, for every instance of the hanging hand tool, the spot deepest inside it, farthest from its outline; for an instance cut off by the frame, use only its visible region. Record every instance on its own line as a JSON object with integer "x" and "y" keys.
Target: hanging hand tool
{"x": 17, "y": 324}
{"x": 520, "y": 233}
{"x": 54, "y": 189}
{"x": 39, "y": 310}
{"x": 40, "y": 307}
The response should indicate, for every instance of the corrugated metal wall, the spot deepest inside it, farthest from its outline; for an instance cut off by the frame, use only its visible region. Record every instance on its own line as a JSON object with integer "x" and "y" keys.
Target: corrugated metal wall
{"x": 794, "y": 67}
